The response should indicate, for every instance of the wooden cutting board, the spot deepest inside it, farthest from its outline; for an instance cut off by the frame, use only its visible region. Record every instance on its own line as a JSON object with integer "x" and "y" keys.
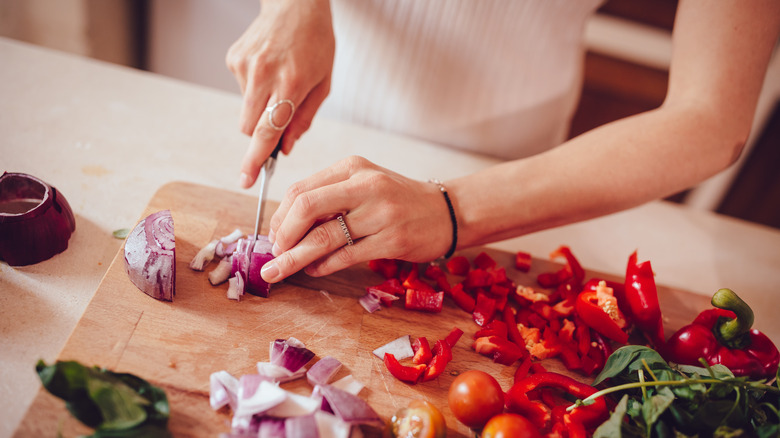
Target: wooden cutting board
{"x": 178, "y": 345}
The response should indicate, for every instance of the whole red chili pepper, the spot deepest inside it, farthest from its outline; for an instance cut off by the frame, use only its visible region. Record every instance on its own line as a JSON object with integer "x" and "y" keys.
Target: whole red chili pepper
{"x": 723, "y": 336}
{"x": 641, "y": 300}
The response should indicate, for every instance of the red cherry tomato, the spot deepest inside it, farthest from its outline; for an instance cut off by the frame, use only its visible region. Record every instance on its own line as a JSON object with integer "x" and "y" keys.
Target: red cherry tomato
{"x": 420, "y": 420}
{"x": 475, "y": 397}
{"x": 510, "y": 426}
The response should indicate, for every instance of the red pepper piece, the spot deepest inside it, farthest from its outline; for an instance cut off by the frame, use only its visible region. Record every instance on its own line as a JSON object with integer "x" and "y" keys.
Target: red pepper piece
{"x": 523, "y": 261}
{"x": 642, "y": 300}
{"x": 426, "y": 301}
{"x": 462, "y": 299}
{"x": 412, "y": 281}
{"x": 434, "y": 272}
{"x": 549, "y": 280}
{"x": 484, "y": 261}
{"x": 477, "y": 278}
{"x": 583, "y": 337}
{"x": 724, "y": 335}
{"x": 484, "y": 309}
{"x": 392, "y": 286}
{"x": 522, "y": 371}
{"x": 537, "y": 367}
{"x": 494, "y": 328}
{"x": 453, "y": 337}
{"x": 566, "y": 333}
{"x": 500, "y": 349}
{"x": 387, "y": 267}
{"x": 599, "y": 311}
{"x": 572, "y": 267}
{"x": 513, "y": 333}
{"x": 403, "y": 373}
{"x": 544, "y": 310}
{"x": 499, "y": 277}
{"x": 422, "y": 351}
{"x": 564, "y": 307}
{"x": 498, "y": 291}
{"x": 518, "y": 402}
{"x": 442, "y": 356}
{"x": 443, "y": 284}
{"x": 534, "y": 320}
{"x": 458, "y": 265}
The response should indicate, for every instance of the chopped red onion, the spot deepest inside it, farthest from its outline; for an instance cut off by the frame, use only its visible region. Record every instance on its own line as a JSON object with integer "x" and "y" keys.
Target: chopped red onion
{"x": 401, "y": 348}
{"x": 232, "y": 237}
{"x": 255, "y": 399}
{"x": 204, "y": 256}
{"x": 278, "y": 373}
{"x": 349, "y": 407}
{"x": 260, "y": 254}
{"x": 270, "y": 427}
{"x": 369, "y": 302}
{"x": 295, "y": 405}
{"x": 301, "y": 427}
{"x": 350, "y": 384}
{"x": 224, "y": 390}
{"x": 323, "y": 371}
{"x": 235, "y": 287}
{"x": 150, "y": 256}
{"x": 36, "y": 221}
{"x": 331, "y": 426}
{"x": 290, "y": 353}
{"x": 221, "y": 273}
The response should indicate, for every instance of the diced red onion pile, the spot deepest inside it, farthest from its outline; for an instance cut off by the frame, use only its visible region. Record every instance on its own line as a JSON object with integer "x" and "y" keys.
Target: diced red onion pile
{"x": 36, "y": 221}
{"x": 262, "y": 408}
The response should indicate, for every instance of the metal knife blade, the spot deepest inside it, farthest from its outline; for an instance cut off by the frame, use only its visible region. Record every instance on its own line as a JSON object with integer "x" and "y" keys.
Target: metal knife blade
{"x": 266, "y": 171}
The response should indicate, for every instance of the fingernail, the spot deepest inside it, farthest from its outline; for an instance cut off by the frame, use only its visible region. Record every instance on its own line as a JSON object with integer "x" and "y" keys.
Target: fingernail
{"x": 271, "y": 236}
{"x": 270, "y": 272}
{"x": 275, "y": 250}
{"x": 245, "y": 181}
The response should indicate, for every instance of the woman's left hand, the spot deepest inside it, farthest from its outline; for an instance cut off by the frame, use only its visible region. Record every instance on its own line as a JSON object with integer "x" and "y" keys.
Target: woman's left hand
{"x": 387, "y": 216}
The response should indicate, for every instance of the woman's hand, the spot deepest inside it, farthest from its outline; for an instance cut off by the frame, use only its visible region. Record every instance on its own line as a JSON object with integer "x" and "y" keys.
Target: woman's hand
{"x": 286, "y": 54}
{"x": 387, "y": 216}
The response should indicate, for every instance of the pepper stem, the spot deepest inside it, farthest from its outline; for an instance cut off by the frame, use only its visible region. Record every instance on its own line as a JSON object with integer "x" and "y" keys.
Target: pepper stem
{"x": 732, "y": 328}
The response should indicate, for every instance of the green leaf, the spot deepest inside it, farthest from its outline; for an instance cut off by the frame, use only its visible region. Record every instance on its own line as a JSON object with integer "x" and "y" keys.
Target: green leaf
{"x": 121, "y": 407}
{"x": 656, "y": 405}
{"x": 121, "y": 233}
{"x": 628, "y": 359}
{"x": 611, "y": 427}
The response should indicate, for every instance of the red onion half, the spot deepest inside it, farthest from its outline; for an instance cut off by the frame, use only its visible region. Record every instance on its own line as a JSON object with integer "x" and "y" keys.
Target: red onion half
{"x": 35, "y": 220}
{"x": 150, "y": 256}
{"x": 260, "y": 254}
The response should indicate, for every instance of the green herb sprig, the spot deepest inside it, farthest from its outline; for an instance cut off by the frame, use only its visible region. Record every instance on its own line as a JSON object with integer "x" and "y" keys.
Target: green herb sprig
{"x": 662, "y": 400}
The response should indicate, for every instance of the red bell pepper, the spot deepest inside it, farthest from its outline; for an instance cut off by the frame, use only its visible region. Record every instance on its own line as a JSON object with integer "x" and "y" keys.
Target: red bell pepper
{"x": 723, "y": 335}
{"x": 401, "y": 372}
{"x": 599, "y": 310}
{"x": 513, "y": 333}
{"x": 387, "y": 267}
{"x": 484, "y": 261}
{"x": 476, "y": 279}
{"x": 422, "y": 351}
{"x": 442, "y": 356}
{"x": 500, "y": 349}
{"x": 424, "y": 300}
{"x": 462, "y": 299}
{"x": 517, "y": 400}
{"x": 523, "y": 261}
{"x": 484, "y": 310}
{"x": 453, "y": 336}
{"x": 641, "y": 303}
{"x": 458, "y": 265}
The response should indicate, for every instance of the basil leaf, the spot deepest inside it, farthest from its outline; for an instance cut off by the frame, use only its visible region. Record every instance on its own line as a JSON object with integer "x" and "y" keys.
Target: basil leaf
{"x": 656, "y": 405}
{"x": 628, "y": 359}
{"x": 120, "y": 406}
{"x": 611, "y": 427}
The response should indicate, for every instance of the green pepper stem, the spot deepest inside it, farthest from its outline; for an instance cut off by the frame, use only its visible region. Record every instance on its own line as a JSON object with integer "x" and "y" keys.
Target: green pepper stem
{"x": 728, "y": 300}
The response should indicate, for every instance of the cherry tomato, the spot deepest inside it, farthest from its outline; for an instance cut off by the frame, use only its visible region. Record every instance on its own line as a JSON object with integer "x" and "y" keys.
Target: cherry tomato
{"x": 510, "y": 426}
{"x": 420, "y": 420}
{"x": 474, "y": 397}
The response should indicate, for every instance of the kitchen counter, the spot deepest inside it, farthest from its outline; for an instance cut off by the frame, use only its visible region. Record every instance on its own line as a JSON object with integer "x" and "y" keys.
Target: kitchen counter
{"x": 108, "y": 137}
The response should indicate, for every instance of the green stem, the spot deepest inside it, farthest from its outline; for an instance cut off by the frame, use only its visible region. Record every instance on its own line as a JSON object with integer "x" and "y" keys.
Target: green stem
{"x": 728, "y": 300}
{"x": 685, "y": 382}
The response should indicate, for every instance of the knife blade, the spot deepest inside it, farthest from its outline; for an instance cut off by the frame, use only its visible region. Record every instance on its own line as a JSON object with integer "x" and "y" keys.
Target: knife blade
{"x": 266, "y": 171}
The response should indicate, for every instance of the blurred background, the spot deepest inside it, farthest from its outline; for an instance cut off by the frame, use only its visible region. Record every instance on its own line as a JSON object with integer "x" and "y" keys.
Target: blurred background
{"x": 626, "y": 70}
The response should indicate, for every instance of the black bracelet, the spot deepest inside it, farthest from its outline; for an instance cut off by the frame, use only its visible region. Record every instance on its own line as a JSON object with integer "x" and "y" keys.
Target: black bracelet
{"x": 453, "y": 219}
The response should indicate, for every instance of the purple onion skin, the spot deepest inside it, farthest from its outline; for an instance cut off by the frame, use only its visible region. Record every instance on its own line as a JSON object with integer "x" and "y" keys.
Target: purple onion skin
{"x": 150, "y": 256}
{"x": 40, "y": 233}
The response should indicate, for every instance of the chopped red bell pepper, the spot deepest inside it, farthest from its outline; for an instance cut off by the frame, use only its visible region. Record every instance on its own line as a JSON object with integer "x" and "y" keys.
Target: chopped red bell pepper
{"x": 571, "y": 271}
{"x": 401, "y": 372}
{"x": 642, "y": 300}
{"x": 442, "y": 356}
{"x": 523, "y": 261}
{"x": 453, "y": 336}
{"x": 387, "y": 267}
{"x": 599, "y": 310}
{"x": 462, "y": 299}
{"x": 522, "y": 371}
{"x": 391, "y": 285}
{"x": 476, "y": 279}
{"x": 484, "y": 309}
{"x": 544, "y": 310}
{"x": 424, "y": 300}
{"x": 422, "y": 351}
{"x": 412, "y": 281}
{"x": 434, "y": 272}
{"x": 723, "y": 335}
{"x": 517, "y": 400}
{"x": 458, "y": 265}
{"x": 484, "y": 261}
{"x": 513, "y": 333}
{"x": 493, "y": 328}
{"x": 500, "y": 349}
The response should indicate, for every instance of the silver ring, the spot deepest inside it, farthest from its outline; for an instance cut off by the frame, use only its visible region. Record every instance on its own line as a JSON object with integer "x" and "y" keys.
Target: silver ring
{"x": 344, "y": 228}
{"x": 271, "y": 110}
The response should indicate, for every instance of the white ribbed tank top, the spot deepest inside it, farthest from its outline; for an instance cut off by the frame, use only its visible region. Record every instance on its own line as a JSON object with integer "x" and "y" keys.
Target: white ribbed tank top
{"x": 501, "y": 77}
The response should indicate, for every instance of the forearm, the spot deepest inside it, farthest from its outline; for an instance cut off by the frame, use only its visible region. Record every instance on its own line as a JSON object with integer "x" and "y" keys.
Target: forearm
{"x": 614, "y": 167}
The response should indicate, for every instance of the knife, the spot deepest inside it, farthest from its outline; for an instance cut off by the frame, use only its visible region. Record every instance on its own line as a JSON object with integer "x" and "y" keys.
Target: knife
{"x": 266, "y": 170}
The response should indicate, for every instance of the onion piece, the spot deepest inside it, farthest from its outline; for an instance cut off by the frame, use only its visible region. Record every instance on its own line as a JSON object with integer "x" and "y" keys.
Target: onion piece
{"x": 235, "y": 287}
{"x": 294, "y": 406}
{"x": 36, "y": 221}
{"x": 256, "y": 399}
{"x": 401, "y": 348}
{"x": 369, "y": 302}
{"x": 232, "y": 237}
{"x": 221, "y": 273}
{"x": 252, "y": 265}
{"x": 223, "y": 390}
{"x": 301, "y": 427}
{"x": 349, "y": 407}
{"x": 350, "y": 384}
{"x": 331, "y": 426}
{"x": 204, "y": 256}
{"x": 150, "y": 256}
{"x": 270, "y": 428}
{"x": 290, "y": 353}
{"x": 278, "y": 373}
{"x": 323, "y": 371}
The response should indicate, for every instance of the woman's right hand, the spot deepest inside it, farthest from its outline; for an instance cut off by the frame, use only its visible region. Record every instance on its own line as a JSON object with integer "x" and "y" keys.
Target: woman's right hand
{"x": 285, "y": 54}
